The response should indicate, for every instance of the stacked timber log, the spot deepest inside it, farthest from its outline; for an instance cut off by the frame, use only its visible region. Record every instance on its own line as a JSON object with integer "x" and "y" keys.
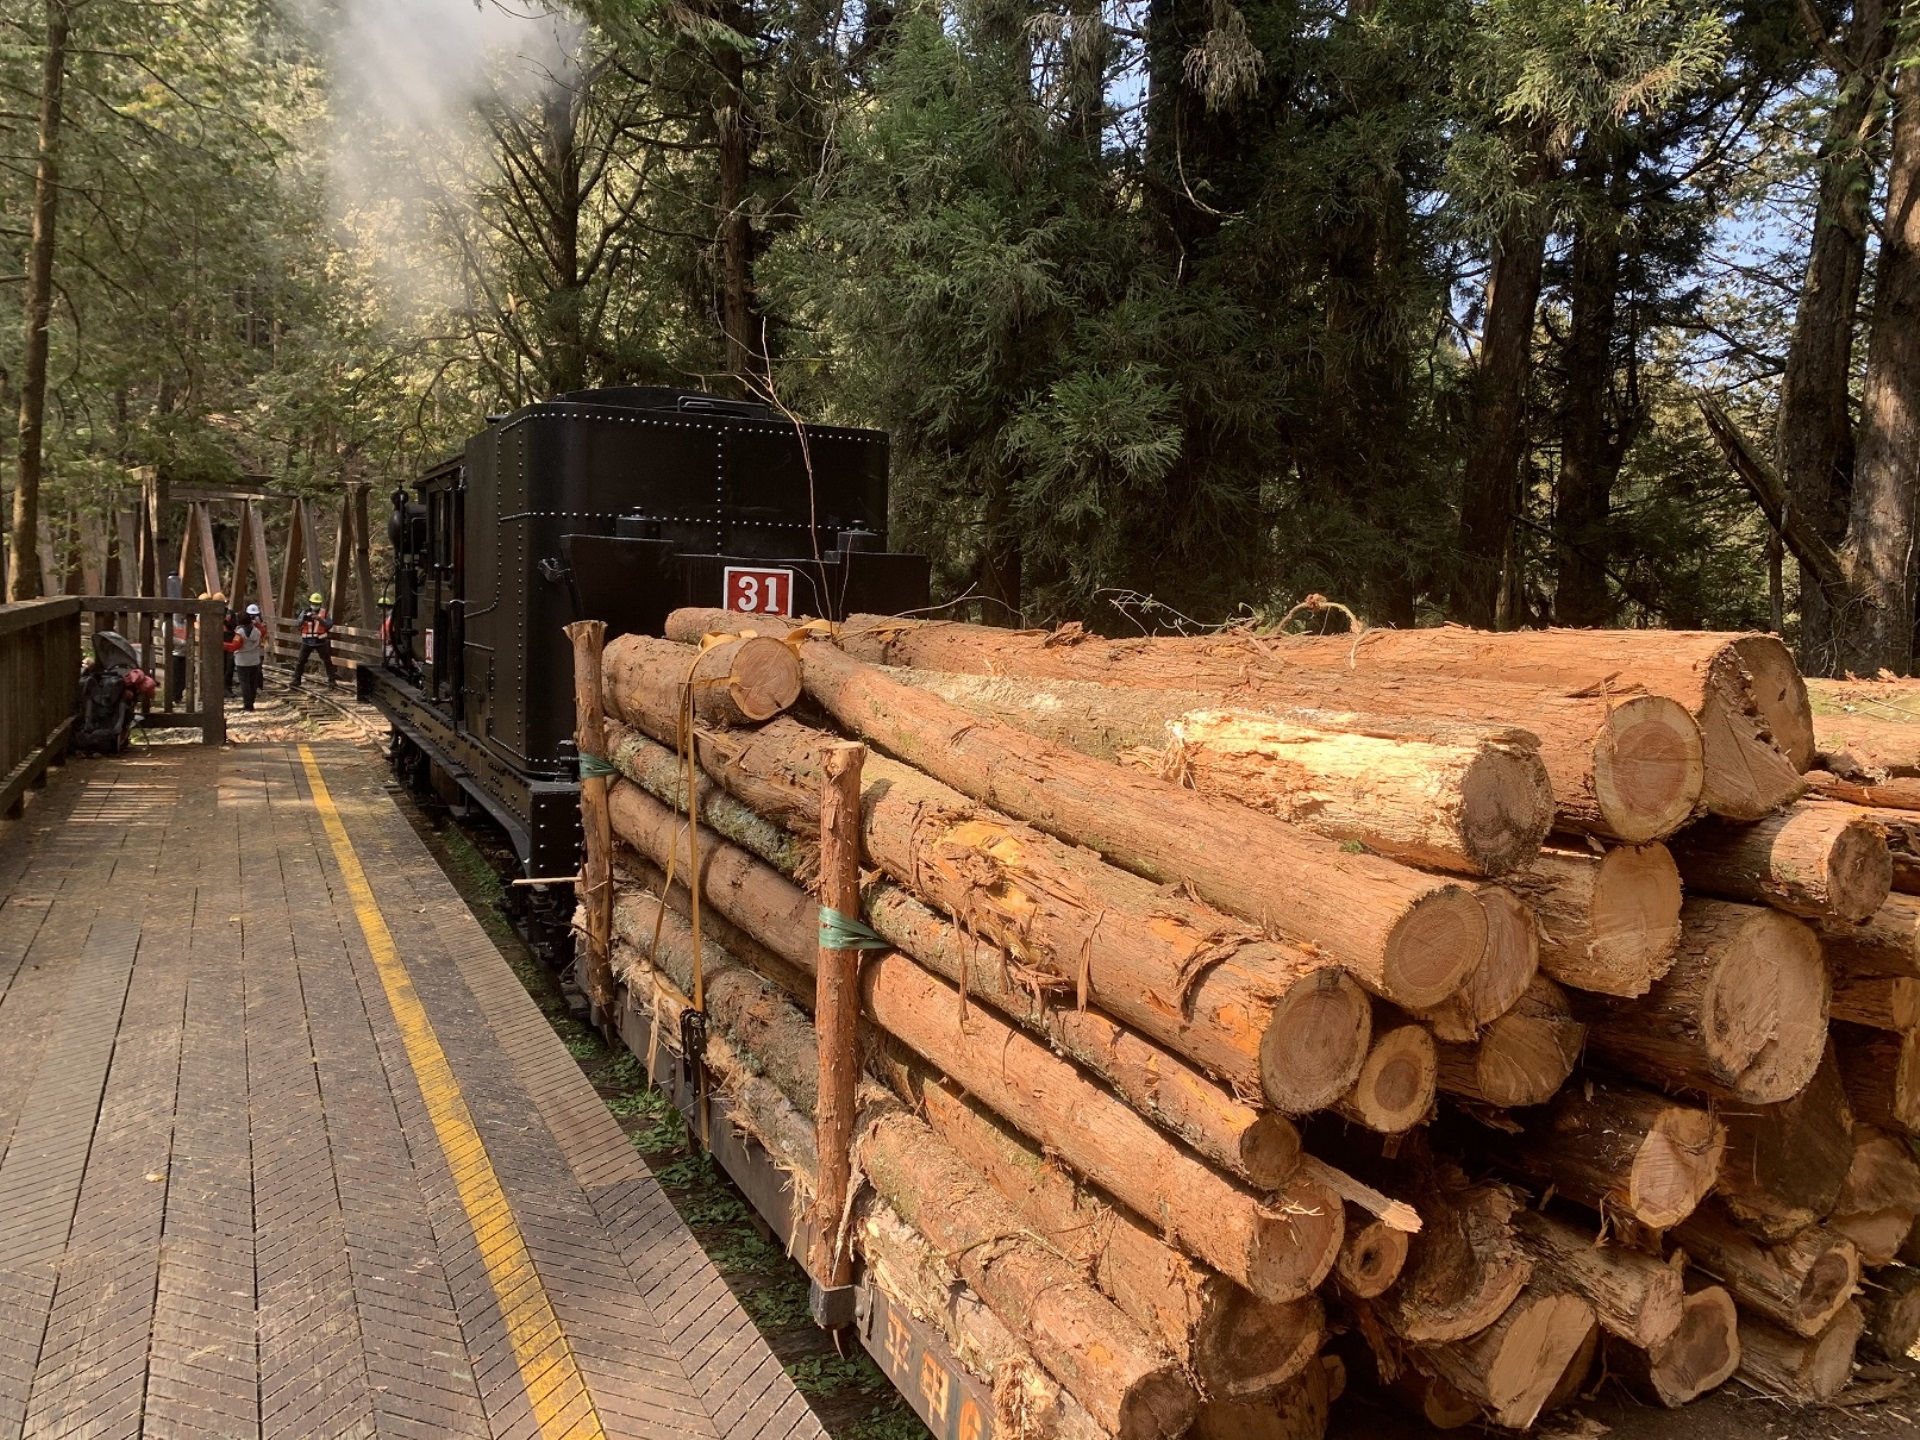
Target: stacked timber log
{"x": 1482, "y": 1016}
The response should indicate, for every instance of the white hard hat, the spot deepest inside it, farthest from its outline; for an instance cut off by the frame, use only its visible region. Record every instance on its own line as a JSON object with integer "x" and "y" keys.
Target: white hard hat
{"x": 253, "y": 609}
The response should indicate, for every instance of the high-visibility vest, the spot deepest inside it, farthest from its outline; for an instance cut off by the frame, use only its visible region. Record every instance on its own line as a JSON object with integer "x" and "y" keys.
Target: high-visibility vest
{"x": 314, "y": 624}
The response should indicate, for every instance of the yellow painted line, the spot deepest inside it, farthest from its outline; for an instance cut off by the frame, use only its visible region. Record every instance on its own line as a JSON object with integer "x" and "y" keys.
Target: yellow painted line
{"x": 548, "y": 1373}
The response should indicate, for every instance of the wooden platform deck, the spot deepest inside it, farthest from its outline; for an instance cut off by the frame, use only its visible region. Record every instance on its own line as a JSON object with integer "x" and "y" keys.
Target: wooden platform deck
{"x": 286, "y": 1150}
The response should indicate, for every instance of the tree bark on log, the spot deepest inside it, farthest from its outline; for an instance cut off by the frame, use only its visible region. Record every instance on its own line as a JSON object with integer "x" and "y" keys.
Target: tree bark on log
{"x": 1609, "y": 923}
{"x": 1131, "y": 1388}
{"x": 1877, "y": 1204}
{"x": 1279, "y": 1249}
{"x": 1464, "y": 1267}
{"x": 1620, "y": 1150}
{"x": 1741, "y": 1014}
{"x": 1785, "y": 1164}
{"x": 1468, "y": 799}
{"x": 1700, "y": 1355}
{"x": 1890, "y": 1304}
{"x": 1882, "y": 1074}
{"x": 1262, "y": 1015}
{"x": 1635, "y": 1297}
{"x": 1509, "y": 961}
{"x": 1235, "y": 1345}
{"x": 1448, "y": 797}
{"x": 1887, "y": 943}
{"x": 1524, "y": 1057}
{"x": 1814, "y": 859}
{"x": 836, "y": 1008}
{"x": 1801, "y": 1283}
{"x": 910, "y": 1273}
{"x": 1260, "y": 1146}
{"x": 1901, "y": 792}
{"x": 1407, "y": 936}
{"x": 742, "y": 681}
{"x": 1748, "y": 774}
{"x": 1394, "y": 1090}
{"x": 1513, "y": 1366}
{"x": 589, "y": 739}
{"x": 1890, "y": 1002}
{"x": 1631, "y": 769}
{"x": 1788, "y": 1366}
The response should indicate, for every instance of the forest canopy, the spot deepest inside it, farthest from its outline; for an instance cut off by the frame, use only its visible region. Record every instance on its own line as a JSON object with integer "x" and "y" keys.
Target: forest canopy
{"x": 1509, "y": 312}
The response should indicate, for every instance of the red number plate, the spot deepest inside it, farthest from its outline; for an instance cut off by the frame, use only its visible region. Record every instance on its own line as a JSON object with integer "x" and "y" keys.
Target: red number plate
{"x": 759, "y": 592}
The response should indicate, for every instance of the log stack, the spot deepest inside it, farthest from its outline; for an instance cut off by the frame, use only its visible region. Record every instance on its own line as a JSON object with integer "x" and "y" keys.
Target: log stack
{"x": 1487, "y": 1012}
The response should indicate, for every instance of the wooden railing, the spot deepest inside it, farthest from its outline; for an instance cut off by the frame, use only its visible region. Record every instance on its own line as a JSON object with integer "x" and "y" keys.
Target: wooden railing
{"x": 351, "y": 647}
{"x": 39, "y": 668}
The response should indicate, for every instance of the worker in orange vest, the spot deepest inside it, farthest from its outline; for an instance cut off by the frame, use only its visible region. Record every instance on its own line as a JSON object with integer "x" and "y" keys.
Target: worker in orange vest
{"x": 316, "y": 628}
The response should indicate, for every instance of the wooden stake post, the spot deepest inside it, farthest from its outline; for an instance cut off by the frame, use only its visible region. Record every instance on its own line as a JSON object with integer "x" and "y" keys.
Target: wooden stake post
{"x": 589, "y": 736}
{"x": 836, "y": 1019}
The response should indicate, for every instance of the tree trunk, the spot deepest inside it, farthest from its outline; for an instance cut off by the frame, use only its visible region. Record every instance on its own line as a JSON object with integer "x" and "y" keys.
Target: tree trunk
{"x": 1741, "y": 1015}
{"x": 1513, "y": 1366}
{"x": 1608, "y": 923}
{"x": 1490, "y": 487}
{"x": 1620, "y": 1150}
{"x": 1891, "y": 1304}
{"x": 1882, "y": 1075}
{"x": 1749, "y": 773}
{"x": 1464, "y": 1267}
{"x": 1394, "y": 1091}
{"x": 1628, "y": 769}
{"x": 1448, "y": 797}
{"x": 911, "y": 1273}
{"x": 1880, "y": 1198}
{"x": 1235, "y": 1345}
{"x": 1785, "y": 1163}
{"x": 1789, "y": 1367}
{"x": 1408, "y": 937}
{"x": 1801, "y": 1283}
{"x": 1261, "y": 1147}
{"x": 1590, "y": 439}
{"x": 1509, "y": 963}
{"x": 1880, "y": 1002}
{"x": 1700, "y": 1355}
{"x": 1887, "y": 943}
{"x": 1876, "y": 631}
{"x": 23, "y": 565}
{"x": 1815, "y": 859}
{"x": 1263, "y": 1016}
{"x": 589, "y": 738}
{"x": 1635, "y": 1297}
{"x": 737, "y": 682}
{"x": 1132, "y": 1389}
{"x": 1813, "y": 435}
{"x": 1524, "y": 1057}
{"x": 746, "y": 359}
{"x": 836, "y": 1008}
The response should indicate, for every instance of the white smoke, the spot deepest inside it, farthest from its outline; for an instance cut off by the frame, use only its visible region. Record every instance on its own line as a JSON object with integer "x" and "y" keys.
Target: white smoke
{"x": 410, "y": 83}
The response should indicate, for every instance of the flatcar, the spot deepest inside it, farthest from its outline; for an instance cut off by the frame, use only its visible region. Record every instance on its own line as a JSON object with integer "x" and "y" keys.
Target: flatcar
{"x": 618, "y": 505}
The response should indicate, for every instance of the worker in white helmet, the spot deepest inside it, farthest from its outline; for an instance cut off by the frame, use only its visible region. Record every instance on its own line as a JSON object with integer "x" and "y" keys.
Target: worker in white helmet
{"x": 248, "y": 646}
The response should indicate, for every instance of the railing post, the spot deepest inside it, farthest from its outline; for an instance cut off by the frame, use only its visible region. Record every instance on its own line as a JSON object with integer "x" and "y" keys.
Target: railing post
{"x": 213, "y": 689}
{"x": 836, "y": 1019}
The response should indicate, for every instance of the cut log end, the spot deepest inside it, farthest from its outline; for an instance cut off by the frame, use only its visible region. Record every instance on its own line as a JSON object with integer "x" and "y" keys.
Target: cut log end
{"x": 1159, "y": 1406}
{"x": 1648, "y": 768}
{"x": 1434, "y": 947}
{"x": 1295, "y": 1241}
{"x": 1508, "y": 964}
{"x": 1252, "y": 1346}
{"x": 1765, "y": 1017}
{"x": 1528, "y": 1053}
{"x": 1778, "y": 1362}
{"x": 1371, "y": 1258}
{"x": 1676, "y": 1166}
{"x": 1700, "y": 1355}
{"x": 1270, "y": 1150}
{"x": 1891, "y": 1300}
{"x": 764, "y": 678}
{"x": 1395, "y": 1087}
{"x": 1780, "y": 695}
{"x": 1515, "y": 1366}
{"x": 1508, "y": 809}
{"x": 1316, "y": 1042}
{"x": 1611, "y": 924}
{"x": 1859, "y": 871}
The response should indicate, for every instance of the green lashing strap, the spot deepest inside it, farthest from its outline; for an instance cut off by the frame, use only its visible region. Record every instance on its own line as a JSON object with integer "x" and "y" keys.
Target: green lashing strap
{"x": 592, "y": 765}
{"x": 847, "y": 932}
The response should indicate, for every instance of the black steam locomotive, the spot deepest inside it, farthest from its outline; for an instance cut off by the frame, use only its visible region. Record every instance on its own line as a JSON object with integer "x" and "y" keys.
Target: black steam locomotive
{"x": 616, "y": 505}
